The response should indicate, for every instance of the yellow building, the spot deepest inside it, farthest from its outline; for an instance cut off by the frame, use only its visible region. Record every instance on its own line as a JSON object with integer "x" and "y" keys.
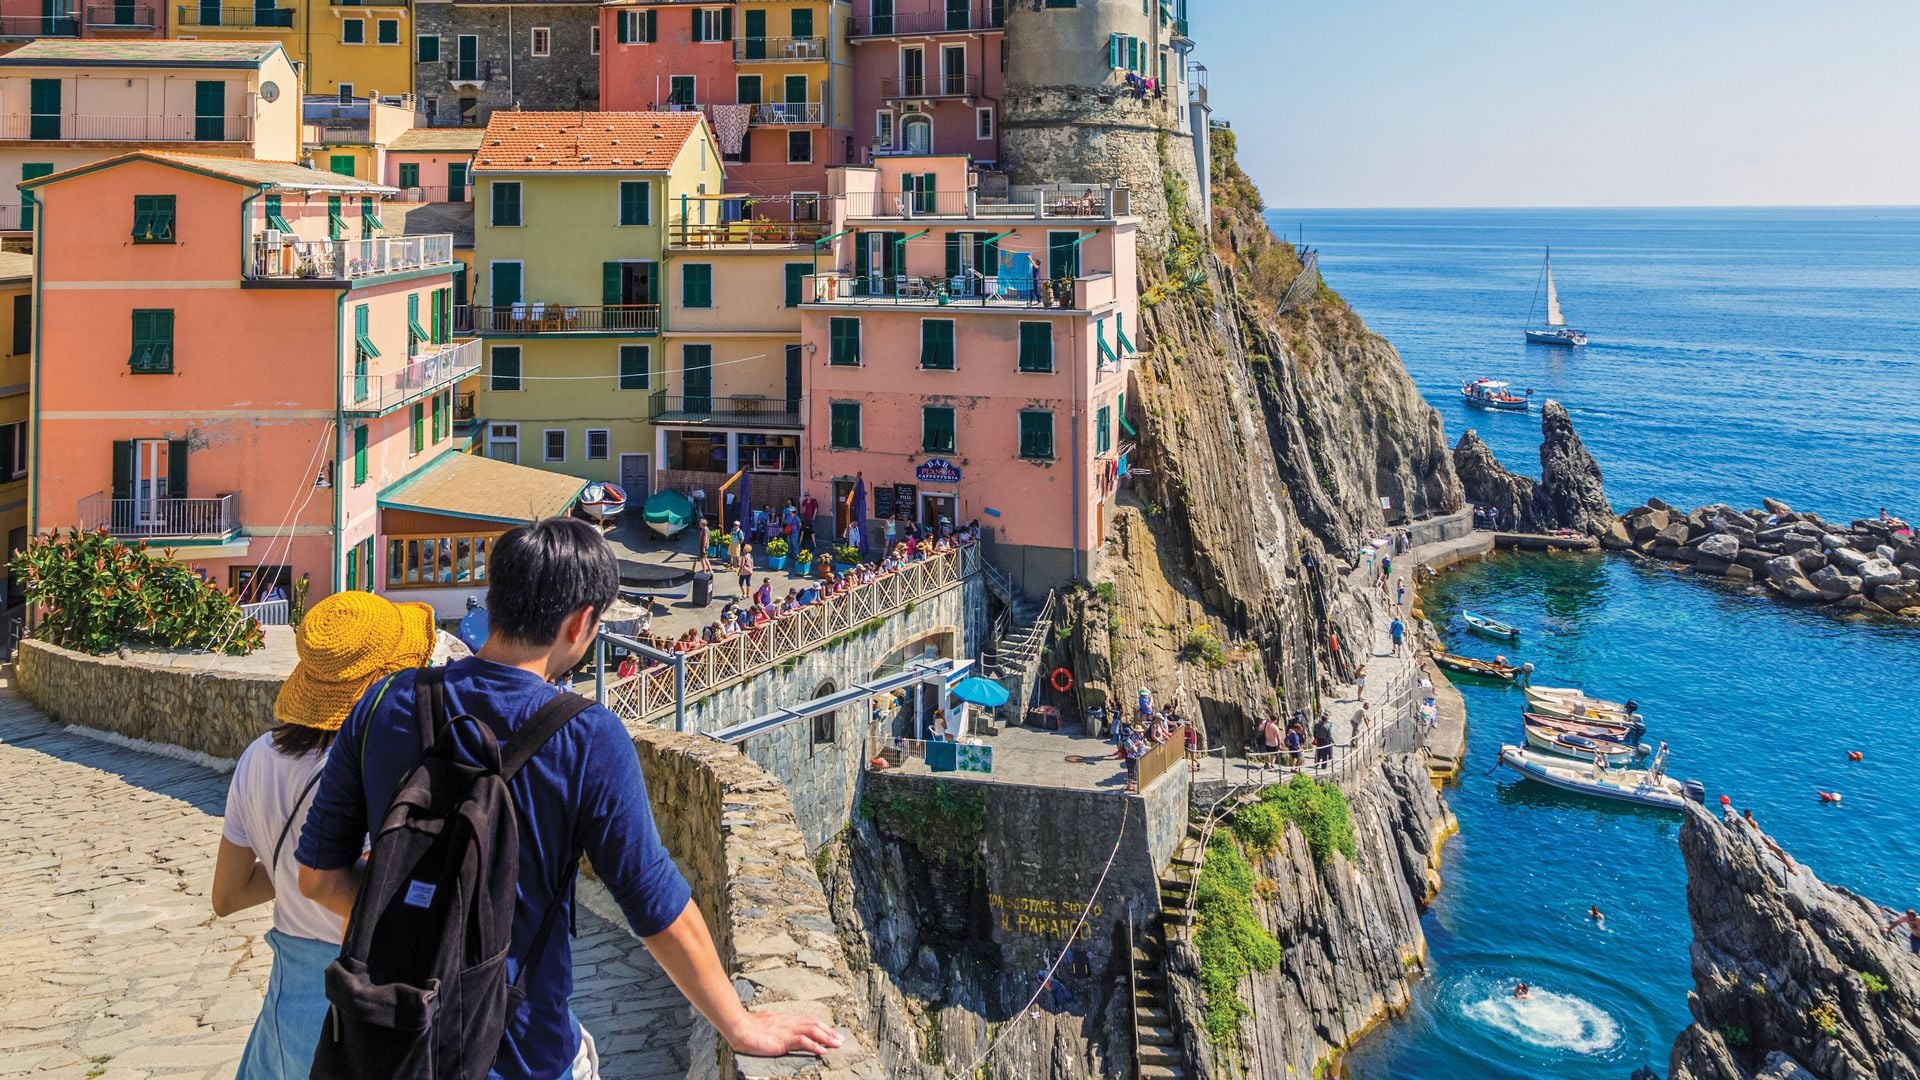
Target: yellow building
{"x": 16, "y": 360}
{"x": 346, "y": 49}
{"x": 570, "y": 236}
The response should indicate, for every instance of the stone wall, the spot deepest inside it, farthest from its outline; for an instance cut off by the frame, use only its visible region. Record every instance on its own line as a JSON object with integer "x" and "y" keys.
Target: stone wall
{"x": 510, "y": 75}
{"x": 214, "y": 712}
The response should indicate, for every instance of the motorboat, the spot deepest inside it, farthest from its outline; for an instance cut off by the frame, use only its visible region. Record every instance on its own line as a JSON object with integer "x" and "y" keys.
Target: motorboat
{"x": 1556, "y": 332}
{"x": 1650, "y": 786}
{"x": 667, "y": 512}
{"x": 1490, "y": 627}
{"x": 1599, "y": 727}
{"x": 602, "y": 501}
{"x": 1467, "y": 665}
{"x": 1572, "y": 702}
{"x": 1494, "y": 394}
{"x": 1577, "y": 746}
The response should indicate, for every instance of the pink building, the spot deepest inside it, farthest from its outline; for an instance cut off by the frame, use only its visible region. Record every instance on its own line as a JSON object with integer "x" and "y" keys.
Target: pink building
{"x": 29, "y": 20}
{"x": 432, "y": 165}
{"x": 928, "y": 77}
{"x": 969, "y": 360}
{"x": 233, "y": 362}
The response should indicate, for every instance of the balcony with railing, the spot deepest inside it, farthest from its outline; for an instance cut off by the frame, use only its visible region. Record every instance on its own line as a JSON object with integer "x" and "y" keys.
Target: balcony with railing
{"x": 217, "y": 518}
{"x": 433, "y": 193}
{"x": 731, "y": 410}
{"x": 476, "y": 71}
{"x": 256, "y": 16}
{"x": 122, "y": 17}
{"x": 541, "y": 317}
{"x": 64, "y": 25}
{"x": 1087, "y": 202}
{"x": 788, "y": 114}
{"x": 1007, "y": 289}
{"x": 10, "y": 220}
{"x": 779, "y": 50}
{"x": 735, "y": 221}
{"x": 937, "y": 18}
{"x": 278, "y": 256}
{"x": 930, "y": 87}
{"x": 375, "y": 395}
{"x": 94, "y": 127}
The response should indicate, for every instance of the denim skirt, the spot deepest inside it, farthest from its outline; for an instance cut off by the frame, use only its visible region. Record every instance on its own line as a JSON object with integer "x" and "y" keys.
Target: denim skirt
{"x": 288, "y": 1028}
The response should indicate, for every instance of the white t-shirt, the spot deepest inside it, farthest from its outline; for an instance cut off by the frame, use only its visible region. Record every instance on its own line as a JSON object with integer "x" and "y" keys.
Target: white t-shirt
{"x": 266, "y": 784}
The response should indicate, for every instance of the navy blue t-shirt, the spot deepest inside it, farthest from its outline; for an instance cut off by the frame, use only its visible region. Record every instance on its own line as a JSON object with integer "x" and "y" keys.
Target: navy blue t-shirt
{"x": 581, "y": 793}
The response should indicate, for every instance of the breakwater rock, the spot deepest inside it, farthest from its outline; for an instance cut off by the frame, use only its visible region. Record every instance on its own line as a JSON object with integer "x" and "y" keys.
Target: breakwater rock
{"x": 1793, "y": 978}
{"x": 1568, "y": 495}
{"x": 1869, "y": 565}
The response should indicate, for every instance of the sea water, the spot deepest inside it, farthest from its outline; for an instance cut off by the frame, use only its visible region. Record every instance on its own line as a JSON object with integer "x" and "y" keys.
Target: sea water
{"x": 1734, "y": 354}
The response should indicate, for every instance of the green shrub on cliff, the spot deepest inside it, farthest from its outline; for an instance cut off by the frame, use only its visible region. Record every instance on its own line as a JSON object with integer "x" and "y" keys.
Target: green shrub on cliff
{"x": 1204, "y": 648}
{"x": 1320, "y": 810}
{"x": 1227, "y": 934}
{"x": 944, "y": 824}
{"x": 96, "y": 594}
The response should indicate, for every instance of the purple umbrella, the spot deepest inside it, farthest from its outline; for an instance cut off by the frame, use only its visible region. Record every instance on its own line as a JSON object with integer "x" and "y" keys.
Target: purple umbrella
{"x": 860, "y": 510}
{"x": 745, "y": 496}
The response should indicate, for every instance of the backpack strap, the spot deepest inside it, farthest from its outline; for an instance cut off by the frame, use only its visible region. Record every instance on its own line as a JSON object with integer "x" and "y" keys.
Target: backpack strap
{"x": 430, "y": 712}
{"x": 294, "y": 813}
{"x": 534, "y": 734}
{"x": 545, "y": 930}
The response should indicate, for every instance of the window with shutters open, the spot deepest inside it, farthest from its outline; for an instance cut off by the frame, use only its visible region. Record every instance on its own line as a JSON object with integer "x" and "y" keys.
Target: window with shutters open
{"x": 359, "y": 454}
{"x": 419, "y": 426}
{"x": 153, "y": 219}
{"x": 152, "y": 341}
{"x": 711, "y": 24}
{"x": 1103, "y": 430}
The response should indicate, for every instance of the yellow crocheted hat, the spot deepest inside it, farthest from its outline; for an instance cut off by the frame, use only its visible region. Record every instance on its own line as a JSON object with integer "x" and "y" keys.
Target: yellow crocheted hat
{"x": 347, "y": 642}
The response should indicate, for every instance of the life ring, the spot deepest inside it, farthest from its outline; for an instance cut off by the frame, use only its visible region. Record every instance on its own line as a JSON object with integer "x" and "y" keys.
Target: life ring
{"x": 1062, "y": 679}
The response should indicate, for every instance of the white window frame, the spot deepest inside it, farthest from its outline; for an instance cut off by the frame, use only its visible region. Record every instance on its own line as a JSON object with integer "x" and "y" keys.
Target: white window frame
{"x": 944, "y": 50}
{"x": 345, "y": 92}
{"x": 363, "y": 33}
{"x": 534, "y": 47}
{"x": 712, "y": 18}
{"x": 593, "y": 40}
{"x": 900, "y": 133}
{"x": 606, "y": 444}
{"x": 546, "y": 444}
{"x": 791, "y": 160}
{"x": 417, "y": 39}
{"x": 796, "y": 199}
{"x": 883, "y": 129}
{"x": 497, "y": 436}
{"x": 983, "y": 122}
{"x": 19, "y": 450}
{"x": 398, "y": 39}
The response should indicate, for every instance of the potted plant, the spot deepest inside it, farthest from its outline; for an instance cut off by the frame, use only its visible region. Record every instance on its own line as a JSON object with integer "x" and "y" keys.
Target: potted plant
{"x": 804, "y": 562}
{"x": 776, "y": 554}
{"x": 845, "y": 558}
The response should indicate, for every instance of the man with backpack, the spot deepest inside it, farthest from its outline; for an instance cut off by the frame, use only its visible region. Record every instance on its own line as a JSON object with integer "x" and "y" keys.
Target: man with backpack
{"x": 482, "y": 785}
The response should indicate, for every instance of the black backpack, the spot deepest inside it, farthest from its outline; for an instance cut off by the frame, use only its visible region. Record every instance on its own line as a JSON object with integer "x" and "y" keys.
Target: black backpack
{"x": 420, "y": 989}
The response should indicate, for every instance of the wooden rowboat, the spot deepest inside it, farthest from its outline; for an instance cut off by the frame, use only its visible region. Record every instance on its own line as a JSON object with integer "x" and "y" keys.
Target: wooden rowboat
{"x": 1578, "y": 747}
{"x": 1467, "y": 665}
{"x": 1573, "y": 696}
{"x": 1493, "y": 628}
{"x": 1623, "y": 730}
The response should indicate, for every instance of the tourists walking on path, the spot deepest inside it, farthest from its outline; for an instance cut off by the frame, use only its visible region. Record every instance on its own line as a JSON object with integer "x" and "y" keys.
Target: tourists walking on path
{"x": 346, "y": 642}
{"x": 1400, "y": 593}
{"x": 1360, "y": 683}
{"x": 743, "y": 568}
{"x": 1323, "y": 741}
{"x": 580, "y": 792}
{"x": 1270, "y": 735}
{"x": 1396, "y": 630}
{"x": 809, "y": 507}
{"x": 701, "y": 558}
{"x": 1296, "y": 741}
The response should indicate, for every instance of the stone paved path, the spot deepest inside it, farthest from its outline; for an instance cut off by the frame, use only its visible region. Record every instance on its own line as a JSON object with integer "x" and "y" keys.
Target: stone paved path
{"x": 112, "y": 966}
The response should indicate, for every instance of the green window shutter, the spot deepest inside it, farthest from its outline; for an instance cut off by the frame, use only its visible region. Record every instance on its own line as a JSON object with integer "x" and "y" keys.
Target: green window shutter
{"x": 845, "y": 425}
{"x": 796, "y": 282}
{"x": 1107, "y": 355}
{"x": 177, "y": 469}
{"x": 436, "y": 316}
{"x": 506, "y": 284}
{"x": 696, "y": 377}
{"x": 1113, "y": 52}
{"x": 122, "y": 469}
{"x": 276, "y": 217}
{"x": 610, "y": 283}
{"x": 419, "y": 427}
{"x": 416, "y": 334}
{"x": 370, "y": 215}
{"x": 153, "y": 219}
{"x": 336, "y": 225}
{"x": 954, "y": 240}
{"x": 359, "y": 454}
{"x": 387, "y": 32}
{"x": 506, "y": 368}
{"x": 1036, "y": 434}
{"x": 152, "y": 352}
{"x": 1120, "y": 339}
{"x": 936, "y": 344}
{"x": 699, "y": 25}
{"x": 446, "y": 316}
{"x": 843, "y": 340}
{"x": 1120, "y": 413}
{"x": 43, "y": 109}
{"x": 726, "y": 24}
{"x": 990, "y": 258}
{"x": 353, "y": 31}
{"x": 936, "y": 429}
{"x": 636, "y": 208}
{"x": 636, "y": 362}
{"x": 653, "y": 283}
{"x": 31, "y": 170}
{"x": 747, "y": 88}
{"x": 439, "y": 417}
{"x": 652, "y": 27}
{"x": 1103, "y": 429}
{"x": 353, "y": 568}
{"x": 622, "y": 27}
{"x": 1036, "y": 346}
{"x": 142, "y": 218}
{"x": 1063, "y": 255}
{"x": 506, "y": 203}
{"x": 429, "y": 54}
{"x": 696, "y": 285}
{"x": 362, "y": 338}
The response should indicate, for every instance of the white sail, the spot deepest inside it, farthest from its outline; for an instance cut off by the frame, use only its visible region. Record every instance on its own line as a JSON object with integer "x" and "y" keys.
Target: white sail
{"x": 1554, "y": 317}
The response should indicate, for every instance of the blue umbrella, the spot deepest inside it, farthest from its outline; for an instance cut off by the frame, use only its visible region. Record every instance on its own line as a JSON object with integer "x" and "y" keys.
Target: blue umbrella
{"x": 983, "y": 692}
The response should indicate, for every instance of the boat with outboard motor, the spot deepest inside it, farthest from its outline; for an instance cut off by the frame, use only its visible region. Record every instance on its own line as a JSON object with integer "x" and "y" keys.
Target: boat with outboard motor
{"x": 1623, "y": 730}
{"x": 1497, "y": 668}
{"x": 1494, "y": 394}
{"x": 1578, "y": 746}
{"x": 1489, "y": 626}
{"x": 1650, "y": 786}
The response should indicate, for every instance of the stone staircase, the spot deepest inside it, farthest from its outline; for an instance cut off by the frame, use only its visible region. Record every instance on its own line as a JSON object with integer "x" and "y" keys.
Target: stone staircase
{"x": 1019, "y": 642}
{"x": 1161, "y": 1057}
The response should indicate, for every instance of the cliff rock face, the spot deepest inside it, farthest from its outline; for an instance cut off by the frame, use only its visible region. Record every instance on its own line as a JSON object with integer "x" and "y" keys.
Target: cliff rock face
{"x": 1791, "y": 976}
{"x": 1569, "y": 494}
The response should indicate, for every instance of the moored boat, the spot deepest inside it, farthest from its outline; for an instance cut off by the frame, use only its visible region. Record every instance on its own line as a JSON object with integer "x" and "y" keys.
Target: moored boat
{"x": 1572, "y": 702}
{"x": 1490, "y": 627}
{"x": 602, "y": 501}
{"x": 667, "y": 512}
{"x": 1556, "y": 332}
{"x": 1467, "y": 665}
{"x": 1650, "y": 786}
{"x": 1494, "y": 394}
{"x": 1579, "y": 747}
{"x": 1598, "y": 727}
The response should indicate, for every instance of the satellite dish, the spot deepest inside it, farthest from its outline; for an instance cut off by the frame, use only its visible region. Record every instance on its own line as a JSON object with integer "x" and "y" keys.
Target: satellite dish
{"x": 269, "y": 92}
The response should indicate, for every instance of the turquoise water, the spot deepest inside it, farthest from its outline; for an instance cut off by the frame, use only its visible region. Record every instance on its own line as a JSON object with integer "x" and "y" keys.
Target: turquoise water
{"x": 1736, "y": 353}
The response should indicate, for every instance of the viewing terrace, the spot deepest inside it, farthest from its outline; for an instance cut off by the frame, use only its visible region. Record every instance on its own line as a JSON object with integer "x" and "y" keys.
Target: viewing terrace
{"x": 1086, "y": 202}
{"x": 739, "y": 221}
{"x": 377, "y": 395}
{"x": 283, "y": 256}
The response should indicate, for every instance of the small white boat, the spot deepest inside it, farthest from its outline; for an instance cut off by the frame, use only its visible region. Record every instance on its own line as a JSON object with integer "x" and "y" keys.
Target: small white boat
{"x": 1572, "y": 701}
{"x": 1490, "y": 626}
{"x": 1494, "y": 394}
{"x": 1650, "y": 786}
{"x": 1557, "y": 332}
{"x": 602, "y": 501}
{"x": 1578, "y": 746}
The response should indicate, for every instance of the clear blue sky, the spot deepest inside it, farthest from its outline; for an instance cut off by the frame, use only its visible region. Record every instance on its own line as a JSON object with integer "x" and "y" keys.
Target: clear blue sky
{"x": 1423, "y": 103}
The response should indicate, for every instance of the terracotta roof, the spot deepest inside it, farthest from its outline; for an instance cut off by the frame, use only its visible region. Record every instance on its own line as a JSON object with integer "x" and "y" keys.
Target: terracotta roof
{"x": 432, "y": 219}
{"x": 278, "y": 174}
{"x": 15, "y": 266}
{"x": 584, "y": 141}
{"x": 429, "y": 138}
{"x": 156, "y": 53}
{"x": 470, "y": 486}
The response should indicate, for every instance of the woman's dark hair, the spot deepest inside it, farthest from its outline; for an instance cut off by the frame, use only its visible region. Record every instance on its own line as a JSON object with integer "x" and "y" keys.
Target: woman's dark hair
{"x": 540, "y": 573}
{"x": 296, "y": 739}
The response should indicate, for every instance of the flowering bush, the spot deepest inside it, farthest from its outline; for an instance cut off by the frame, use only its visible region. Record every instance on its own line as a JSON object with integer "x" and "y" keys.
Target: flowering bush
{"x": 847, "y": 555}
{"x": 777, "y": 548}
{"x": 95, "y": 594}
{"x": 805, "y": 556}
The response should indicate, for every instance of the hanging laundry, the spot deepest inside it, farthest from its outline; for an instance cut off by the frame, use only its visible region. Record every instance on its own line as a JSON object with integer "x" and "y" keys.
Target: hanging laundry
{"x": 730, "y": 125}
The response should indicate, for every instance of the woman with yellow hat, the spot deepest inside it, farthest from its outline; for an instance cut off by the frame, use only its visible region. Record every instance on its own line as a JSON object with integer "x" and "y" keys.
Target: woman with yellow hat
{"x": 347, "y": 643}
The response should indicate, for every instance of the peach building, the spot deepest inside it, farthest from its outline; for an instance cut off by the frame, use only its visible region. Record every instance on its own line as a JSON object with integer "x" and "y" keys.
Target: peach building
{"x": 928, "y": 77}
{"x": 969, "y": 359}
{"x": 233, "y": 361}
{"x": 30, "y": 20}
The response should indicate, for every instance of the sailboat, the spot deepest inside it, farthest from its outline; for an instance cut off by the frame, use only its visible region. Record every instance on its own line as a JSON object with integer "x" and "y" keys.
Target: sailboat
{"x": 1557, "y": 332}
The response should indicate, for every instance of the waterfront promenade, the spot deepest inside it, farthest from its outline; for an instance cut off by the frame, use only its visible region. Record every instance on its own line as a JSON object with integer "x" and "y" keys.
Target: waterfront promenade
{"x": 112, "y": 965}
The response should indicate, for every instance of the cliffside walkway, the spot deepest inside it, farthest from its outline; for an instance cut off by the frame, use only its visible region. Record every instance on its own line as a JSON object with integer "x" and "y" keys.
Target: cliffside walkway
{"x": 112, "y": 964}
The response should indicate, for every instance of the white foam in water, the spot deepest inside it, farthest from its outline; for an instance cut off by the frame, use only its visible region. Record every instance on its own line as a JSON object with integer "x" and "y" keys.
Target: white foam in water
{"x": 1550, "y": 1020}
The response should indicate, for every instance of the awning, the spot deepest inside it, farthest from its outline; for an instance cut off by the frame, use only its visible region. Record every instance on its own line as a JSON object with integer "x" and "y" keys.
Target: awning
{"x": 482, "y": 489}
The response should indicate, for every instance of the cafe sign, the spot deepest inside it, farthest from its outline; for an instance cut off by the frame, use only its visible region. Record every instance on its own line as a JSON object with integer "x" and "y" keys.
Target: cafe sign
{"x": 937, "y": 471}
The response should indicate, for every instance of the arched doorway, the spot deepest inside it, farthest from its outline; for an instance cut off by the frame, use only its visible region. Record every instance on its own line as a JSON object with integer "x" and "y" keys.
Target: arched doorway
{"x": 825, "y": 725}
{"x": 916, "y": 133}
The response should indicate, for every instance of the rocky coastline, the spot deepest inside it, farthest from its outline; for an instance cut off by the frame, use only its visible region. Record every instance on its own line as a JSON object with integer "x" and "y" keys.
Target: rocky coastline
{"x": 1866, "y": 566}
{"x": 1570, "y": 494}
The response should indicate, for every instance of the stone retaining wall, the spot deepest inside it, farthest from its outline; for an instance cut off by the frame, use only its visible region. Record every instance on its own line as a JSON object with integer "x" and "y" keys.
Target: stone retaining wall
{"x": 215, "y": 713}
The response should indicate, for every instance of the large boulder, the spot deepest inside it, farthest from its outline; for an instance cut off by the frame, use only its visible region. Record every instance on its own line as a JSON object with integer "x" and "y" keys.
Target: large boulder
{"x": 1809, "y": 559}
{"x": 1736, "y": 572}
{"x": 1675, "y": 534}
{"x": 1617, "y": 538}
{"x": 1800, "y": 542}
{"x": 1776, "y": 507}
{"x": 1722, "y": 546}
{"x": 1898, "y": 596}
{"x": 1783, "y": 573}
{"x": 1753, "y": 559}
{"x": 1910, "y": 571}
{"x": 1833, "y": 584}
{"x": 1845, "y": 556}
{"x": 1568, "y": 495}
{"x": 1906, "y": 553}
{"x": 1876, "y": 572}
{"x": 1660, "y": 504}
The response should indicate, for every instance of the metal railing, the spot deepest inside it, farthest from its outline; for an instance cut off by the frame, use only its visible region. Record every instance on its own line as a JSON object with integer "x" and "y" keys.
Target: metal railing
{"x": 717, "y": 664}
{"x": 39, "y": 26}
{"x": 930, "y": 86}
{"x": 434, "y": 194}
{"x": 539, "y": 317}
{"x": 934, "y": 19}
{"x": 144, "y": 128}
{"x": 289, "y": 256}
{"x": 341, "y": 130}
{"x": 966, "y": 289}
{"x": 1086, "y": 201}
{"x": 372, "y": 395}
{"x": 240, "y": 17}
{"x": 158, "y": 518}
{"x": 740, "y": 410}
{"x": 777, "y": 49}
{"x": 787, "y": 114}
{"x": 268, "y": 612}
{"x": 734, "y": 233}
{"x": 122, "y": 17}
{"x": 475, "y": 71}
{"x": 10, "y": 219}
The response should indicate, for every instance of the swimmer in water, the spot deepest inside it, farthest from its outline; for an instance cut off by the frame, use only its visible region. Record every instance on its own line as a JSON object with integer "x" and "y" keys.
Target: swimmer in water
{"x": 1520, "y": 990}
{"x": 1596, "y": 915}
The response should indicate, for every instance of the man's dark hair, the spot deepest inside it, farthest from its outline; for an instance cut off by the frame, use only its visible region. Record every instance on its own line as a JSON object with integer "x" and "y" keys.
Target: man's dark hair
{"x": 538, "y": 574}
